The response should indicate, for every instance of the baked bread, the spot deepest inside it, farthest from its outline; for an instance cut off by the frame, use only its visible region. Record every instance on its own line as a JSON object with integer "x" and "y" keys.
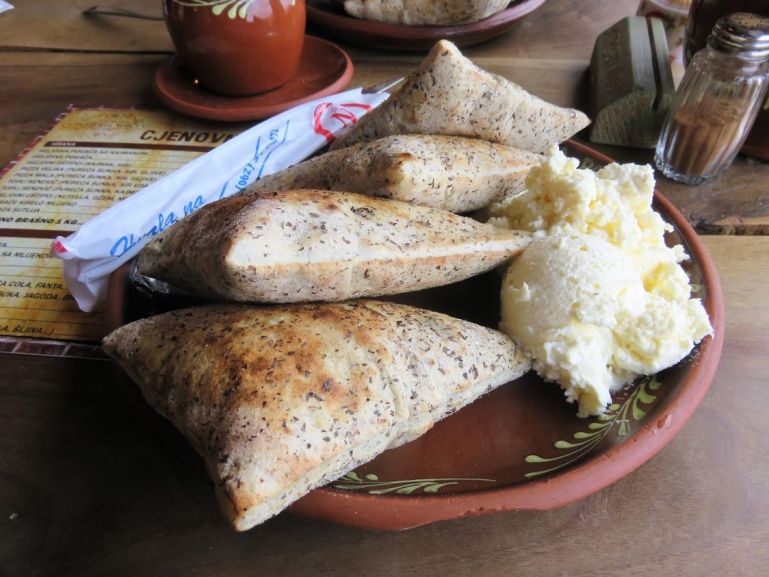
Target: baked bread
{"x": 424, "y": 12}
{"x": 448, "y": 172}
{"x": 448, "y": 94}
{"x": 280, "y": 400}
{"x": 312, "y": 245}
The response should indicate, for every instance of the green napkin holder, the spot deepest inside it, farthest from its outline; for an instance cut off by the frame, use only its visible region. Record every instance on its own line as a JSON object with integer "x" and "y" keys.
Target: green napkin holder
{"x": 631, "y": 83}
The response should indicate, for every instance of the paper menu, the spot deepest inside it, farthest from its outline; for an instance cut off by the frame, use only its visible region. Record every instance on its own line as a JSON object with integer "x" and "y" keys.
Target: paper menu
{"x": 88, "y": 161}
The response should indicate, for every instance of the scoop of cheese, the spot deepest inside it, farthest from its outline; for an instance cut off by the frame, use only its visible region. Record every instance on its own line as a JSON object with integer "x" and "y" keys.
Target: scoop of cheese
{"x": 579, "y": 306}
{"x": 598, "y": 298}
{"x": 613, "y": 203}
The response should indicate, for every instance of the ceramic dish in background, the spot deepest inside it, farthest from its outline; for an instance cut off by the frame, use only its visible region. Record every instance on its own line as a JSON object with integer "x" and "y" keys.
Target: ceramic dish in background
{"x": 519, "y": 447}
{"x": 334, "y": 23}
{"x": 324, "y": 69}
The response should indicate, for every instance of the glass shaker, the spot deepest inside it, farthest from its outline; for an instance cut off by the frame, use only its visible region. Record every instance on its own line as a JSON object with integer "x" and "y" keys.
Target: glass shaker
{"x": 717, "y": 101}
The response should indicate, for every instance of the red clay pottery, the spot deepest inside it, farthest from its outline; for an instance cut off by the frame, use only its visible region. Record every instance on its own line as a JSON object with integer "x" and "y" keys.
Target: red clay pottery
{"x": 238, "y": 47}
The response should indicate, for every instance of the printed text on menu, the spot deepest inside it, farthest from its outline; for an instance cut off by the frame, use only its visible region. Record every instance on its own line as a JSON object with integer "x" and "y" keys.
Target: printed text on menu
{"x": 89, "y": 160}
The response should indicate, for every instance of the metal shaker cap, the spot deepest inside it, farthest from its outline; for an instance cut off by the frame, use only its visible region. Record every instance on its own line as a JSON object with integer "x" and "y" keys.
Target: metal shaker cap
{"x": 742, "y": 33}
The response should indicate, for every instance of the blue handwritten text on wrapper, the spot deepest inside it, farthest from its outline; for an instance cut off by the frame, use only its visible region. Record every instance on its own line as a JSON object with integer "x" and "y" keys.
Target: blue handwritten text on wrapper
{"x": 252, "y": 171}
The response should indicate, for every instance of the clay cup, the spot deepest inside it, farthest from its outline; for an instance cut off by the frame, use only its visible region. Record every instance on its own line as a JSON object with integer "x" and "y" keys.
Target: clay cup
{"x": 238, "y": 47}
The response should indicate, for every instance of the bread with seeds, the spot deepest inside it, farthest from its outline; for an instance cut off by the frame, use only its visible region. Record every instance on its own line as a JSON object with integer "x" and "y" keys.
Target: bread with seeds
{"x": 313, "y": 245}
{"x": 448, "y": 172}
{"x": 424, "y": 12}
{"x": 280, "y": 400}
{"x": 448, "y": 94}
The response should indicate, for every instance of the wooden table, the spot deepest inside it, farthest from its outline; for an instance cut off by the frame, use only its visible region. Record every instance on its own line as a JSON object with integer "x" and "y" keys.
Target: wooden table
{"x": 84, "y": 491}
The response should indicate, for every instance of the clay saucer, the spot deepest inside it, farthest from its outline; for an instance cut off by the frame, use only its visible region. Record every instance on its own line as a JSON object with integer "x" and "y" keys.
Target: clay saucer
{"x": 521, "y": 447}
{"x": 335, "y": 23}
{"x": 324, "y": 69}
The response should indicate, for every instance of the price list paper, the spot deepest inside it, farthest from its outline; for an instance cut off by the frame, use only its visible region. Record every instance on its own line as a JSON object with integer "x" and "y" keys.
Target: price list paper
{"x": 88, "y": 161}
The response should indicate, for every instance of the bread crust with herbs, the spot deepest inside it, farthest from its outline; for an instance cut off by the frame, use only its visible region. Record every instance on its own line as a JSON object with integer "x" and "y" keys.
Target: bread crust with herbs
{"x": 447, "y": 172}
{"x": 424, "y": 12}
{"x": 448, "y": 94}
{"x": 312, "y": 245}
{"x": 280, "y": 400}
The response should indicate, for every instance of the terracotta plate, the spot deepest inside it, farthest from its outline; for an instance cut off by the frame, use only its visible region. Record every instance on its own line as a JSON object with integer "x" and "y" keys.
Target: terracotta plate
{"x": 521, "y": 446}
{"x": 335, "y": 23}
{"x": 324, "y": 69}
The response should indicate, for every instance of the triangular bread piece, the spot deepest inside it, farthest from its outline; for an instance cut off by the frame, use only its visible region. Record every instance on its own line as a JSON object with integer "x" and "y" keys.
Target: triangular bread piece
{"x": 280, "y": 400}
{"x": 311, "y": 245}
{"x": 448, "y": 94}
{"x": 447, "y": 172}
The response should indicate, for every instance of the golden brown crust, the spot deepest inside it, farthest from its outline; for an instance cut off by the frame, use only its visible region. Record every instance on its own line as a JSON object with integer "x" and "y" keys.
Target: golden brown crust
{"x": 448, "y": 94}
{"x": 446, "y": 172}
{"x": 310, "y": 245}
{"x": 282, "y": 399}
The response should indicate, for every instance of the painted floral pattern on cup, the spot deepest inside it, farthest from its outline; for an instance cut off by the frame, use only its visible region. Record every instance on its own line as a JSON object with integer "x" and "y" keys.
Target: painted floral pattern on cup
{"x": 231, "y": 8}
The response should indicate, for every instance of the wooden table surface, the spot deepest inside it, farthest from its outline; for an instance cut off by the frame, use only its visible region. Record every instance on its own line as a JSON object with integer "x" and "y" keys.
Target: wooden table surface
{"x": 84, "y": 491}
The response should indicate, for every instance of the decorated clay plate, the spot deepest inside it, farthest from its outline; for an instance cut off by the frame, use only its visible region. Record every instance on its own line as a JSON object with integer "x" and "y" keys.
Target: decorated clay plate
{"x": 333, "y": 22}
{"x": 521, "y": 446}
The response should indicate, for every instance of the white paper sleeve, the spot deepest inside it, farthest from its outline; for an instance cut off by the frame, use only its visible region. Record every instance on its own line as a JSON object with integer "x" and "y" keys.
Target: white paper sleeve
{"x": 113, "y": 237}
